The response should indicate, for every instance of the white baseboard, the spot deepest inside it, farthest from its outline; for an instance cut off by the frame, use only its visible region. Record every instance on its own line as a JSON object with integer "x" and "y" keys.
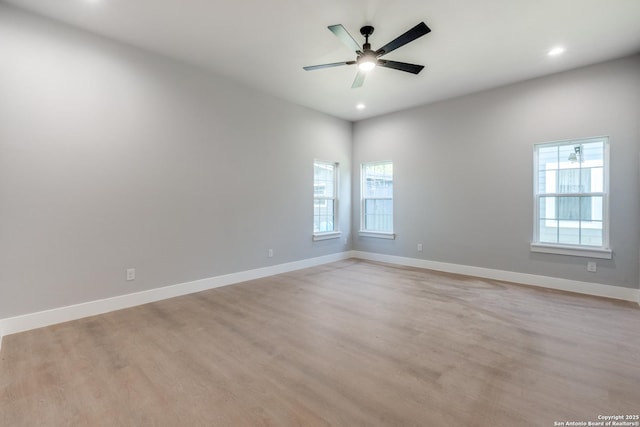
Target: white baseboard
{"x": 41, "y": 319}
{"x": 596, "y": 289}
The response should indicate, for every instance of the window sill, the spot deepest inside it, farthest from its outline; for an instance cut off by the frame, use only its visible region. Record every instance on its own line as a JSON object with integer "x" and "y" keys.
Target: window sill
{"x": 377, "y": 234}
{"x": 326, "y": 236}
{"x": 572, "y": 250}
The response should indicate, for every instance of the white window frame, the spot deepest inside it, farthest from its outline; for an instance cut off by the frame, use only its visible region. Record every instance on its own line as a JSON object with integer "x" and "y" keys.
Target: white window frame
{"x": 335, "y": 233}
{"x": 373, "y": 233}
{"x": 604, "y": 251}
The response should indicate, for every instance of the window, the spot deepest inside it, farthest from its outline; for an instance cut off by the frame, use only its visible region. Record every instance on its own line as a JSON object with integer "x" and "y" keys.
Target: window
{"x": 571, "y": 198}
{"x": 377, "y": 200}
{"x": 325, "y": 201}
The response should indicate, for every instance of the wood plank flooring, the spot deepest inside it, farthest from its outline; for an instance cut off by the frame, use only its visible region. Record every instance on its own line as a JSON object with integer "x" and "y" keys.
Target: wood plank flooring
{"x": 352, "y": 343}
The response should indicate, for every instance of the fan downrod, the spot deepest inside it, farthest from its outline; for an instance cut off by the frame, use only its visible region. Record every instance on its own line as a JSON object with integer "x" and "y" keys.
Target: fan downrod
{"x": 366, "y": 31}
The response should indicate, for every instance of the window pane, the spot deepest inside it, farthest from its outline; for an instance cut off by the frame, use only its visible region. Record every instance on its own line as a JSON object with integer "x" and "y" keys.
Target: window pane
{"x": 591, "y": 233}
{"x": 569, "y": 181}
{"x": 323, "y": 217}
{"x": 323, "y": 179}
{"x": 593, "y": 153}
{"x": 369, "y": 222}
{"x": 593, "y": 179}
{"x": 547, "y": 158}
{"x": 567, "y": 157}
{"x": 378, "y": 214}
{"x": 547, "y": 208}
{"x": 586, "y": 208}
{"x": 378, "y": 180}
{"x": 547, "y": 181}
{"x": 569, "y": 208}
{"x": 595, "y": 207}
{"x": 585, "y": 180}
{"x": 569, "y": 232}
{"x": 548, "y": 231}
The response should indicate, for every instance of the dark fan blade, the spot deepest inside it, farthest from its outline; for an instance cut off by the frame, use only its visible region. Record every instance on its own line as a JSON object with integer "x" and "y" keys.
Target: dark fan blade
{"x": 418, "y": 31}
{"x": 334, "y": 64}
{"x": 357, "y": 82}
{"x": 402, "y": 66}
{"x": 345, "y": 37}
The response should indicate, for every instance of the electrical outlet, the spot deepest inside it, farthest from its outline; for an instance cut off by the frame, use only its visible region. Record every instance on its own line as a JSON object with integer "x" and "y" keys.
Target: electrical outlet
{"x": 270, "y": 253}
{"x": 131, "y": 274}
{"x": 419, "y": 247}
{"x": 591, "y": 266}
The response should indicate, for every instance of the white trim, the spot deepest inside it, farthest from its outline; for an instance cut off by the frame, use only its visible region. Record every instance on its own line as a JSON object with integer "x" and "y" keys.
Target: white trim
{"x": 571, "y": 250}
{"x": 377, "y": 234}
{"x": 596, "y": 289}
{"x": 40, "y": 319}
{"x": 326, "y": 236}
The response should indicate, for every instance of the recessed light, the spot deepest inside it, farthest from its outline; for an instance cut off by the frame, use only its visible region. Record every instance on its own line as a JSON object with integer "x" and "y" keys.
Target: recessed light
{"x": 556, "y": 51}
{"x": 361, "y": 106}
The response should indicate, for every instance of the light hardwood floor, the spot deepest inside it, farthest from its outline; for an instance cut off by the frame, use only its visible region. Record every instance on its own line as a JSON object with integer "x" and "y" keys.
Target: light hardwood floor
{"x": 352, "y": 343}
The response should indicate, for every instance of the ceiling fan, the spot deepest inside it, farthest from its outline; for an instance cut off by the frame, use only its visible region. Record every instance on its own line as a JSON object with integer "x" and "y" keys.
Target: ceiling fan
{"x": 367, "y": 58}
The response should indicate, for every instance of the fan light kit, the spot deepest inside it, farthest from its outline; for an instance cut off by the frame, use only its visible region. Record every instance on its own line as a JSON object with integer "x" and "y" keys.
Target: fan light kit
{"x": 367, "y": 59}
{"x": 367, "y": 62}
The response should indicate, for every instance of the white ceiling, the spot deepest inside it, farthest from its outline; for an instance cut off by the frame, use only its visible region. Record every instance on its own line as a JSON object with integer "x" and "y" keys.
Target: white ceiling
{"x": 474, "y": 44}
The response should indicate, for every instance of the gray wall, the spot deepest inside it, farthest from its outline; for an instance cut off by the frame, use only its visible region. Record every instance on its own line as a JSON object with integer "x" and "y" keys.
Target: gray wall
{"x": 463, "y": 171}
{"x": 111, "y": 157}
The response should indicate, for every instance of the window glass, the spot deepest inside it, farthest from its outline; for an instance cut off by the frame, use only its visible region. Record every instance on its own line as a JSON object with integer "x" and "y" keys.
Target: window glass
{"x": 377, "y": 197}
{"x": 569, "y": 193}
{"x": 325, "y": 178}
